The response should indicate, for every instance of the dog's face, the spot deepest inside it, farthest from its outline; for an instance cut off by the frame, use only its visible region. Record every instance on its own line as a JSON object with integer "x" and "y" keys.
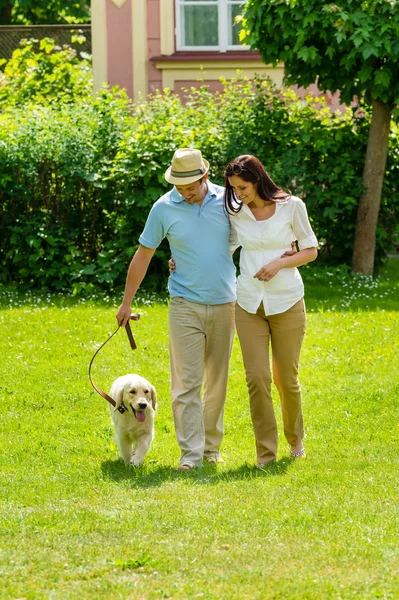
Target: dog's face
{"x": 137, "y": 394}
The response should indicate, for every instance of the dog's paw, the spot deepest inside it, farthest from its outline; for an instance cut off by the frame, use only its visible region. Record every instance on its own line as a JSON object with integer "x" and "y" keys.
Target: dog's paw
{"x": 135, "y": 462}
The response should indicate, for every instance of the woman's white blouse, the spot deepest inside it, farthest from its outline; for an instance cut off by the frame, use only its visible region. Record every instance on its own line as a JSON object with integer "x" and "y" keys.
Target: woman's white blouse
{"x": 262, "y": 242}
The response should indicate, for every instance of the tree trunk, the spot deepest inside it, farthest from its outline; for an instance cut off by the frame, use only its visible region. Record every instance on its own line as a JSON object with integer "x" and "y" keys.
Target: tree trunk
{"x": 5, "y": 13}
{"x": 370, "y": 200}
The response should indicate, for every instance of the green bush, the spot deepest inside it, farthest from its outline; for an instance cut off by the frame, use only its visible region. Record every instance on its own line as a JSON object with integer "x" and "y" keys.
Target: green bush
{"x": 77, "y": 179}
{"x": 42, "y": 72}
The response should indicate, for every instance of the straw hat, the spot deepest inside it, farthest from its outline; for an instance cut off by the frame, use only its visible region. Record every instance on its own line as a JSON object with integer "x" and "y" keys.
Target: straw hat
{"x": 187, "y": 166}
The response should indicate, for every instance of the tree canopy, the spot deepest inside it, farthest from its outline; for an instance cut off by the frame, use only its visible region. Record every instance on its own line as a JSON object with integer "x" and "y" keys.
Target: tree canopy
{"x": 348, "y": 45}
{"x": 32, "y": 12}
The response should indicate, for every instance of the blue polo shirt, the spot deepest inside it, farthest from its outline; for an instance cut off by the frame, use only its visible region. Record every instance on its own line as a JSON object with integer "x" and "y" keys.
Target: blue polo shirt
{"x": 199, "y": 238}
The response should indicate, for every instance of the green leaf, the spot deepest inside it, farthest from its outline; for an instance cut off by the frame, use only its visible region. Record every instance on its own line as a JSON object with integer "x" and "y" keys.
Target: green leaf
{"x": 369, "y": 50}
{"x": 89, "y": 269}
{"x": 383, "y": 78}
{"x": 304, "y": 53}
{"x": 358, "y": 40}
{"x": 34, "y": 242}
{"x": 47, "y": 45}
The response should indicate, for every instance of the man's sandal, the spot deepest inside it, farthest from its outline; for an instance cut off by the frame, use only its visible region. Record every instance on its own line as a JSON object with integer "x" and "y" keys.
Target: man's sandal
{"x": 300, "y": 454}
{"x": 213, "y": 459}
{"x": 186, "y": 466}
{"x": 266, "y": 464}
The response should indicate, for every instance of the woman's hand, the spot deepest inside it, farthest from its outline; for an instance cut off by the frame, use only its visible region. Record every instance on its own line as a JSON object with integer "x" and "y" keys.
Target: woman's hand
{"x": 268, "y": 271}
{"x": 172, "y": 265}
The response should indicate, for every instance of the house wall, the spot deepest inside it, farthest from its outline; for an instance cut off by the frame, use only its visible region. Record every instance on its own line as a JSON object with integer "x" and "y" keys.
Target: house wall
{"x": 153, "y": 44}
{"x": 134, "y": 47}
{"x": 185, "y": 70}
{"x": 120, "y": 44}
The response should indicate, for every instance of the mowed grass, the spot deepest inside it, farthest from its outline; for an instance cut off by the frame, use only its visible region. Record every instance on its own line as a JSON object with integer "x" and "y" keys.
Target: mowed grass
{"x": 77, "y": 523}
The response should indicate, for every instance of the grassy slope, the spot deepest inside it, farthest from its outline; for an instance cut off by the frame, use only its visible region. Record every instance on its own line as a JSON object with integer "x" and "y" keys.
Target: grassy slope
{"x": 76, "y": 523}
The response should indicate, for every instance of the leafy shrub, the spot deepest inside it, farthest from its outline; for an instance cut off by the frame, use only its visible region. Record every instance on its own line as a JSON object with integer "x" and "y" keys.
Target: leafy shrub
{"x": 43, "y": 72}
{"x": 77, "y": 179}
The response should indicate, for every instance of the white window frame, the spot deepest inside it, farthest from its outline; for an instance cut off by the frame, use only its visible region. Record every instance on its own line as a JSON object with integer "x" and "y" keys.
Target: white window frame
{"x": 223, "y": 30}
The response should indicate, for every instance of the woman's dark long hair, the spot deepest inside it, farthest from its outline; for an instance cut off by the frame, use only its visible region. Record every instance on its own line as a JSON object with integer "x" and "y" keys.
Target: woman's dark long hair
{"x": 249, "y": 168}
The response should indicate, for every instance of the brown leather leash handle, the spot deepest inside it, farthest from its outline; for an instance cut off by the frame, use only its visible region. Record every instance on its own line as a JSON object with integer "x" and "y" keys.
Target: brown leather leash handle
{"x": 122, "y": 408}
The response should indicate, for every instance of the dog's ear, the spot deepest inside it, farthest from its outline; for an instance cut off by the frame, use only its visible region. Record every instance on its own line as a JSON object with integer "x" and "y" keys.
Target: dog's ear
{"x": 153, "y": 397}
{"x": 118, "y": 397}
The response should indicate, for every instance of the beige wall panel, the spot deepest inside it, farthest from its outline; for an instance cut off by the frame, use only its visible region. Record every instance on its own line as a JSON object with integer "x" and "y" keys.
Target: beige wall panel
{"x": 140, "y": 60}
{"x": 172, "y": 72}
{"x": 99, "y": 42}
{"x": 213, "y": 85}
{"x": 167, "y": 21}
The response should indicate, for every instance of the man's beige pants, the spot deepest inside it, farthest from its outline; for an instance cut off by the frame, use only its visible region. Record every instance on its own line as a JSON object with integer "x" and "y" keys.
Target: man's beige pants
{"x": 200, "y": 341}
{"x": 285, "y": 333}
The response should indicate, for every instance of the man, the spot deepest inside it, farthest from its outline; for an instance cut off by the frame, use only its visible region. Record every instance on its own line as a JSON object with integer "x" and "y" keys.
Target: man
{"x": 202, "y": 299}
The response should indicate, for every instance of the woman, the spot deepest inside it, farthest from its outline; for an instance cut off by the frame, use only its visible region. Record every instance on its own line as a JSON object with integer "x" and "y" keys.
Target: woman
{"x": 270, "y": 307}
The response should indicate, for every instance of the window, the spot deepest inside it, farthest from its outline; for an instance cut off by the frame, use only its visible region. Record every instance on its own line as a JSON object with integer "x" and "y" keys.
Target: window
{"x": 208, "y": 25}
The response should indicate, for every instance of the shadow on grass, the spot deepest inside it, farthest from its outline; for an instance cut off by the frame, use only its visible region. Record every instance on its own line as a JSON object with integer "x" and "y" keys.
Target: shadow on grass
{"x": 153, "y": 476}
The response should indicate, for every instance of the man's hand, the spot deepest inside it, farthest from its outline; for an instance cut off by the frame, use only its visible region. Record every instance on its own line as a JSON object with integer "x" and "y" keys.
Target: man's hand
{"x": 290, "y": 252}
{"x": 123, "y": 314}
{"x": 171, "y": 264}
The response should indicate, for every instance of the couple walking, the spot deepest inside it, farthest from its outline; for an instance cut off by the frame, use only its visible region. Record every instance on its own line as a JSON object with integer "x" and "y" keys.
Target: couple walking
{"x": 204, "y": 223}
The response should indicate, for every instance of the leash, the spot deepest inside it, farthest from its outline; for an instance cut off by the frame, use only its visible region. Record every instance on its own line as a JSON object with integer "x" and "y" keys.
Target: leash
{"x": 122, "y": 408}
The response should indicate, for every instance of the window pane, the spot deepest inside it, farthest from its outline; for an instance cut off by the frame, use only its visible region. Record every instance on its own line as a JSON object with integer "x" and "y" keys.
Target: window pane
{"x": 235, "y": 28}
{"x": 200, "y": 25}
{"x": 199, "y": 1}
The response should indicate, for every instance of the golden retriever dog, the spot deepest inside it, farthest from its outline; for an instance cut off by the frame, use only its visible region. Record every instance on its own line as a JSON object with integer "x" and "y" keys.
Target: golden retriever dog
{"x": 134, "y": 429}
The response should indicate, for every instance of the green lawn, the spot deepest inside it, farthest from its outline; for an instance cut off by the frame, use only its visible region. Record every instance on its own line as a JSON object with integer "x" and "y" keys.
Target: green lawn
{"x": 76, "y": 523}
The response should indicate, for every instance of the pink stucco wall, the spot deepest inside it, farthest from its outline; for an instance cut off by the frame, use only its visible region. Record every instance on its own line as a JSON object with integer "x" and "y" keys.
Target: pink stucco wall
{"x": 332, "y": 101}
{"x": 153, "y": 44}
{"x": 119, "y": 45}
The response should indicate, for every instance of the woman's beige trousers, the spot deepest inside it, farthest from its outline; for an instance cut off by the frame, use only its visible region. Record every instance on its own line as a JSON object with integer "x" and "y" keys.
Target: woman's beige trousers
{"x": 284, "y": 334}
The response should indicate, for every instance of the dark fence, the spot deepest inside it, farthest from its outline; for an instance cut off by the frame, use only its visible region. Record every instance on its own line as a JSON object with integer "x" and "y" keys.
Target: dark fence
{"x": 11, "y": 35}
